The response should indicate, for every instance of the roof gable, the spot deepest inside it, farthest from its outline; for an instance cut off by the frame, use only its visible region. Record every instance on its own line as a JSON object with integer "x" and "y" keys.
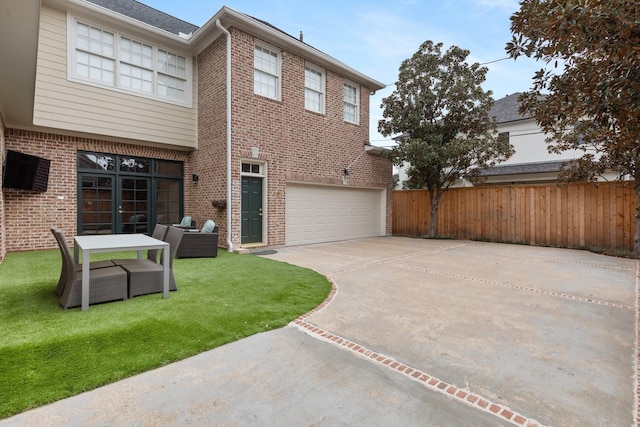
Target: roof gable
{"x": 506, "y": 109}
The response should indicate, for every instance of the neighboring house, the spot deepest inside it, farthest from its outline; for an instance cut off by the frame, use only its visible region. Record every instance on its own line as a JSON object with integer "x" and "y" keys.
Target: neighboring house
{"x": 531, "y": 163}
{"x": 147, "y": 118}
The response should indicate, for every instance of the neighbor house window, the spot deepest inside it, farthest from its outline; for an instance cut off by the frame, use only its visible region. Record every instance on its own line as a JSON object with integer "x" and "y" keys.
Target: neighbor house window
{"x": 313, "y": 88}
{"x": 116, "y": 60}
{"x": 351, "y": 97}
{"x": 266, "y": 72}
{"x": 503, "y": 140}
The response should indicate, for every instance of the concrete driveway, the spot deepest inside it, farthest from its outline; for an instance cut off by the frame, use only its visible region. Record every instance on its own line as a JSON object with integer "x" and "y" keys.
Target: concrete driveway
{"x": 417, "y": 332}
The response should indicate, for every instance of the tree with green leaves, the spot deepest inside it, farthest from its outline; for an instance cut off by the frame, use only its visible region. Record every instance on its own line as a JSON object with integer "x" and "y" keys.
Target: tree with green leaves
{"x": 587, "y": 97}
{"x": 441, "y": 113}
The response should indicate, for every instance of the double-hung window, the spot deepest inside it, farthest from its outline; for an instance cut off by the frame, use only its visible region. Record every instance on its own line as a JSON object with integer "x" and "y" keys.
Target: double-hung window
{"x": 109, "y": 58}
{"x": 314, "y": 85}
{"x": 266, "y": 72}
{"x": 136, "y": 65}
{"x": 351, "y": 104}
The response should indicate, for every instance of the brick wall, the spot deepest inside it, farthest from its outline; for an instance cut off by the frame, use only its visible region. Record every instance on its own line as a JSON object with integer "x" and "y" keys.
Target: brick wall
{"x": 29, "y": 215}
{"x": 298, "y": 145}
{"x": 3, "y": 245}
{"x": 209, "y": 160}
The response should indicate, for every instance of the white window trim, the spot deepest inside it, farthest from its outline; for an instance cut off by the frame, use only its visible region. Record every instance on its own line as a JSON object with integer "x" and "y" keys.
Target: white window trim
{"x": 261, "y": 163}
{"x": 323, "y": 90}
{"x": 357, "y": 104}
{"x": 71, "y": 63}
{"x": 278, "y": 76}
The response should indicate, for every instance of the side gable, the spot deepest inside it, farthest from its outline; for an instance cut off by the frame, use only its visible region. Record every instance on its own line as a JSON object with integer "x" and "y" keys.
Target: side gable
{"x": 506, "y": 109}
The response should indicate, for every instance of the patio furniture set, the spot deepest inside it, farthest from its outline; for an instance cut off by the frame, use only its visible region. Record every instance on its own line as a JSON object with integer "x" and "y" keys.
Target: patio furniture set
{"x": 82, "y": 284}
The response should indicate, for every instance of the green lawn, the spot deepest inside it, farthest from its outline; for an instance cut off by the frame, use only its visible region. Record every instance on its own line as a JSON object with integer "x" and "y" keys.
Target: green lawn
{"x": 47, "y": 354}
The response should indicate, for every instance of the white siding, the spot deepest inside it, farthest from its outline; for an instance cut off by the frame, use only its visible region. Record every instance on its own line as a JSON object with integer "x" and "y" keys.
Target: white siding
{"x": 63, "y": 104}
{"x": 529, "y": 144}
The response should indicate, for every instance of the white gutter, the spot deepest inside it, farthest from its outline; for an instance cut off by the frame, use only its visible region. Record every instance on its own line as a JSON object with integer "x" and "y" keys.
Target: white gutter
{"x": 229, "y": 204}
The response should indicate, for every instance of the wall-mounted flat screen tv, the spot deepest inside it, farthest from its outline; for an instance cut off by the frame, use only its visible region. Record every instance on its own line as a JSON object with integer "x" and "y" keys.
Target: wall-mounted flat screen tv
{"x": 25, "y": 172}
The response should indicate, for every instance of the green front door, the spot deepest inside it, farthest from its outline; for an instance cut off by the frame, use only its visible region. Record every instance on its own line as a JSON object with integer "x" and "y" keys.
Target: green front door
{"x": 251, "y": 228}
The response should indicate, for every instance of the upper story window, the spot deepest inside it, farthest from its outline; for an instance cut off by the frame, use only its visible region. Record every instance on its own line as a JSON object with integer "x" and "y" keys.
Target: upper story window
{"x": 314, "y": 85}
{"x": 351, "y": 102}
{"x": 503, "y": 140}
{"x": 123, "y": 63}
{"x": 266, "y": 72}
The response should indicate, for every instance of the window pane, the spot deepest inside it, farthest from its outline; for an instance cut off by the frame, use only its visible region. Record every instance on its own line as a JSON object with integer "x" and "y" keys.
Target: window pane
{"x": 168, "y": 201}
{"x": 136, "y": 78}
{"x": 172, "y": 87}
{"x": 134, "y": 164}
{"x": 265, "y": 84}
{"x": 98, "y": 161}
{"x": 164, "y": 167}
{"x": 312, "y": 100}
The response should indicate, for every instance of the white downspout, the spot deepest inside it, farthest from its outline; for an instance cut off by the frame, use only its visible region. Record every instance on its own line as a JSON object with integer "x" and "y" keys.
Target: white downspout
{"x": 229, "y": 204}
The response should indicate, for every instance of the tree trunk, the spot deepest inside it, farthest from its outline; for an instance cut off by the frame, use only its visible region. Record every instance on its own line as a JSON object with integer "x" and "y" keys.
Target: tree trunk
{"x": 434, "y": 196}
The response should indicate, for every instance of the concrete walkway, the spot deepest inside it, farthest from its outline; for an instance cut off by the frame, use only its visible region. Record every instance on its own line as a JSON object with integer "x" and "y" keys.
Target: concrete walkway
{"x": 417, "y": 332}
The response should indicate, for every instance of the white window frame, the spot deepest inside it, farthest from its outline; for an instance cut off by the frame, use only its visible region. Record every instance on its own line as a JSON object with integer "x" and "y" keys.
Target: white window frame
{"x": 348, "y": 104}
{"x": 184, "y": 75}
{"x": 318, "y": 92}
{"x": 264, "y": 73}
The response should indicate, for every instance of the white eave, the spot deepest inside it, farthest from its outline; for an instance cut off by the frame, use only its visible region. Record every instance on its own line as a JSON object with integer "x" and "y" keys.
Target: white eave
{"x": 19, "y": 26}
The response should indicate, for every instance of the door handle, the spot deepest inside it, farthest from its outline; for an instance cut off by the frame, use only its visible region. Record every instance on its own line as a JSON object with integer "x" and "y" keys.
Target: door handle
{"x": 120, "y": 211}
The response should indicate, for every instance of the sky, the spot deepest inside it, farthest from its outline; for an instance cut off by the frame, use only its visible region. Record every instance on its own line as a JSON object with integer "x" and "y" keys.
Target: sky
{"x": 375, "y": 36}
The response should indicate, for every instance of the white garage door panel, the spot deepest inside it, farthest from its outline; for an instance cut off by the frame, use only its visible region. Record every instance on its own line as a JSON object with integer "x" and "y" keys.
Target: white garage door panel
{"x": 316, "y": 214}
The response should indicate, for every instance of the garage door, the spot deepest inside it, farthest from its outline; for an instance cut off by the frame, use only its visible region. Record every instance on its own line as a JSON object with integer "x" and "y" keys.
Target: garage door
{"x": 316, "y": 213}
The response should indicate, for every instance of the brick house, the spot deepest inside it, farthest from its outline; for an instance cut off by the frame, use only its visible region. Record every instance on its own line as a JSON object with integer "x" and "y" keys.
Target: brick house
{"x": 146, "y": 118}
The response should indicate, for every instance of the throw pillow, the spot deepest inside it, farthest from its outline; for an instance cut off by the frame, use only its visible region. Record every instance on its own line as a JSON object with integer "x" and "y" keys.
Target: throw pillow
{"x": 186, "y": 221}
{"x": 208, "y": 226}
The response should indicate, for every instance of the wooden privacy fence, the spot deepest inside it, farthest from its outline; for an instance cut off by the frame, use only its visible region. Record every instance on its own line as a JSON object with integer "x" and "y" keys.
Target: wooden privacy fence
{"x": 573, "y": 215}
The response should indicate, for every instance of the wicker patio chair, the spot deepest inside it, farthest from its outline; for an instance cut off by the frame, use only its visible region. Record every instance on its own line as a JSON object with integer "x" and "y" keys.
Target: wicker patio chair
{"x": 59, "y": 236}
{"x": 152, "y": 254}
{"x": 199, "y": 245}
{"x": 147, "y": 277}
{"x": 105, "y": 284}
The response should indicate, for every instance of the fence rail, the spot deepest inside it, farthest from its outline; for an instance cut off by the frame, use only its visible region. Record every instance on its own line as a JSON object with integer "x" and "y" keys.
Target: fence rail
{"x": 573, "y": 215}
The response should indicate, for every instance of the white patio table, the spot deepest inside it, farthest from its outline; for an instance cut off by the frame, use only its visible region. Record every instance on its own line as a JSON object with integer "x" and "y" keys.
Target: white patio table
{"x": 113, "y": 243}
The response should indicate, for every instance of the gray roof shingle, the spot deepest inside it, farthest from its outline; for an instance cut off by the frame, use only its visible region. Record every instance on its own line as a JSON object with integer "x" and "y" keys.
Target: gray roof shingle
{"x": 538, "y": 167}
{"x": 143, "y": 13}
{"x": 506, "y": 109}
